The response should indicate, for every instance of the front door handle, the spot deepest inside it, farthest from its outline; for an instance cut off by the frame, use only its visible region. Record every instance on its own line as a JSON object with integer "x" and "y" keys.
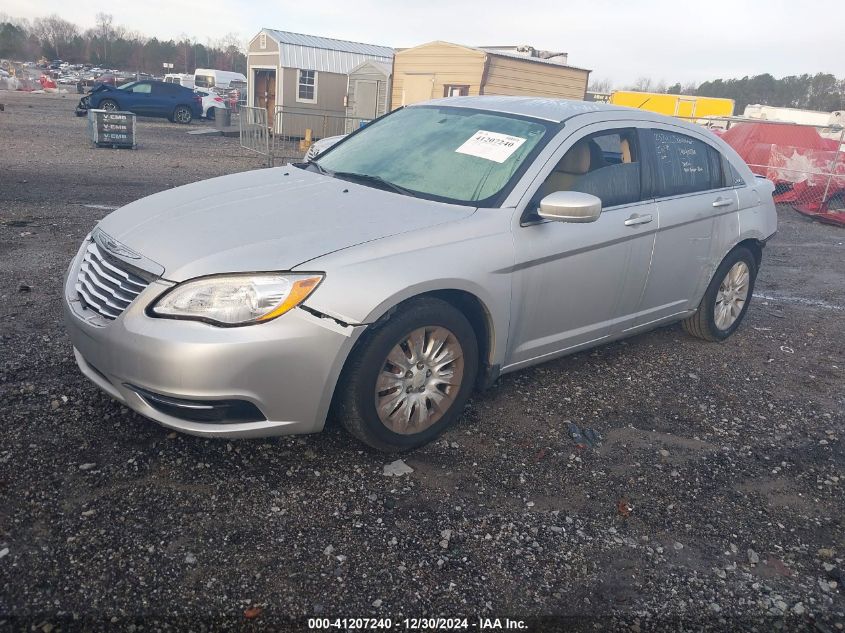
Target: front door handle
{"x": 722, "y": 202}
{"x": 635, "y": 219}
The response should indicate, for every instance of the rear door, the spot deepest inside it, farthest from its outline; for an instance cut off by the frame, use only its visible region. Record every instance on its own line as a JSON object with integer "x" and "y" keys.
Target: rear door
{"x": 167, "y": 96}
{"x": 697, "y": 217}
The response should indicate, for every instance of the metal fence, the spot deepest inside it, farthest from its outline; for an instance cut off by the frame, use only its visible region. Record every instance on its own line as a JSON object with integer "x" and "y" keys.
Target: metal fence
{"x": 806, "y": 162}
{"x": 296, "y": 129}
{"x": 254, "y": 132}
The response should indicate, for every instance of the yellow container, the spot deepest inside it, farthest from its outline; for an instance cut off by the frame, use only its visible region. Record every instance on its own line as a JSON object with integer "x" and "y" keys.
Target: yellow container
{"x": 674, "y": 105}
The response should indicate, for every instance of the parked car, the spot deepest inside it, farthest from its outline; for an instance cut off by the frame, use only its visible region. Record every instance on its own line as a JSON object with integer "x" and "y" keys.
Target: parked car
{"x": 320, "y": 146}
{"x": 180, "y": 78}
{"x": 441, "y": 246}
{"x": 219, "y": 79}
{"x": 210, "y": 101}
{"x": 145, "y": 98}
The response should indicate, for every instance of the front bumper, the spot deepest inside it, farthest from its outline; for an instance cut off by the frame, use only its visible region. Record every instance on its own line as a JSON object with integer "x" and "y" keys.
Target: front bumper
{"x": 287, "y": 368}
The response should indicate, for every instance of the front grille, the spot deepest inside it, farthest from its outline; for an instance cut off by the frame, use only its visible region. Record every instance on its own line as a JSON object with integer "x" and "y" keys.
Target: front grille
{"x": 104, "y": 286}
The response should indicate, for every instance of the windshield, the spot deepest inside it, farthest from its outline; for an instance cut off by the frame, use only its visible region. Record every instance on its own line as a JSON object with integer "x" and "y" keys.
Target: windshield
{"x": 127, "y": 86}
{"x": 458, "y": 155}
{"x": 204, "y": 81}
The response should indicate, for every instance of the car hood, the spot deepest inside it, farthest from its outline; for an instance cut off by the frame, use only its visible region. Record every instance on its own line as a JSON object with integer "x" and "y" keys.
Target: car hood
{"x": 263, "y": 220}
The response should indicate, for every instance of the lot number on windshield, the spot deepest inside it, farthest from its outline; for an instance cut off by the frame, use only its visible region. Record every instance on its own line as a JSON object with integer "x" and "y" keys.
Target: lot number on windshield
{"x": 491, "y": 146}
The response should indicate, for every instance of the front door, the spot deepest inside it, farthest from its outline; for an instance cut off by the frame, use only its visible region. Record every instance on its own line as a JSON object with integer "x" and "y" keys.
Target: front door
{"x": 576, "y": 284}
{"x": 365, "y": 103}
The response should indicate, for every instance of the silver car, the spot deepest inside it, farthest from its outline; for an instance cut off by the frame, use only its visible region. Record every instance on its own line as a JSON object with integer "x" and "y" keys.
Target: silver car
{"x": 428, "y": 253}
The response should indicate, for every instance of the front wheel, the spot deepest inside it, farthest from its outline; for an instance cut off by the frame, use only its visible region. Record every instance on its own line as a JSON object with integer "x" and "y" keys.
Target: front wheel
{"x": 727, "y": 297}
{"x": 182, "y": 114}
{"x": 409, "y": 380}
{"x": 108, "y": 104}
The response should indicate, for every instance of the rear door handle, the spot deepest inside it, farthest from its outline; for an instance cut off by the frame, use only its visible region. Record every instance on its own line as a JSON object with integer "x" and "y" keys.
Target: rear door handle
{"x": 722, "y": 202}
{"x": 635, "y": 219}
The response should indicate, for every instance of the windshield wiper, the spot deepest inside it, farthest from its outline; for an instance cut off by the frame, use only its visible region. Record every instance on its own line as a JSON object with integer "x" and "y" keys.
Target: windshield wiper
{"x": 319, "y": 167}
{"x": 376, "y": 180}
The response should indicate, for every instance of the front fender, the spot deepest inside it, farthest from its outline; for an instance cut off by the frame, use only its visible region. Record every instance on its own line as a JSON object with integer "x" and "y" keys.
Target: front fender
{"x": 364, "y": 282}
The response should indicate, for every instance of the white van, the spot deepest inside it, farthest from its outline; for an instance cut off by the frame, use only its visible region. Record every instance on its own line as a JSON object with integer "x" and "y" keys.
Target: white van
{"x": 180, "y": 78}
{"x": 219, "y": 79}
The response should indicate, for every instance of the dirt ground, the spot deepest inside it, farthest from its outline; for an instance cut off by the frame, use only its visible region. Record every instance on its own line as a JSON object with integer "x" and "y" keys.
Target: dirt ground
{"x": 713, "y": 502}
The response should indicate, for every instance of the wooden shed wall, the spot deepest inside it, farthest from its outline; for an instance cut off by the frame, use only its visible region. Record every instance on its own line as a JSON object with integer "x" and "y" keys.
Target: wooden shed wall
{"x": 439, "y": 64}
{"x": 509, "y": 76}
{"x": 270, "y": 45}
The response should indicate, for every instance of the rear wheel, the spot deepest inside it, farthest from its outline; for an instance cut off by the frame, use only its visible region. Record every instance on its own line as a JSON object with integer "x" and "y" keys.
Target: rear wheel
{"x": 108, "y": 104}
{"x": 210, "y": 114}
{"x": 727, "y": 297}
{"x": 409, "y": 380}
{"x": 182, "y": 114}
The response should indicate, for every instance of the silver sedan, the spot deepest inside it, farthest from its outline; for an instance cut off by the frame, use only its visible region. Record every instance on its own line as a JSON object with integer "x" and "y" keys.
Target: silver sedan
{"x": 417, "y": 259}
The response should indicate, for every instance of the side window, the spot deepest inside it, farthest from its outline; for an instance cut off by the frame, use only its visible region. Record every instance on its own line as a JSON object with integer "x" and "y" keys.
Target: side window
{"x": 307, "y": 86}
{"x": 685, "y": 165}
{"x": 605, "y": 164}
{"x": 144, "y": 89}
{"x": 455, "y": 90}
{"x": 732, "y": 177}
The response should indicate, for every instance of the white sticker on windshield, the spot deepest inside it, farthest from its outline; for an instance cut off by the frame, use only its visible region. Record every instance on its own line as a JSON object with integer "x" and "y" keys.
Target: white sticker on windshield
{"x": 491, "y": 146}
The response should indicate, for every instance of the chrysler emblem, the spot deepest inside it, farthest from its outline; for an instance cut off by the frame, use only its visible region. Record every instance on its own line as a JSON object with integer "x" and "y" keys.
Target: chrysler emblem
{"x": 111, "y": 245}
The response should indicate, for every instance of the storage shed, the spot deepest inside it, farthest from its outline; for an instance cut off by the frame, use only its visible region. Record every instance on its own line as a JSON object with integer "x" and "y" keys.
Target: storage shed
{"x": 304, "y": 72}
{"x": 368, "y": 94}
{"x": 442, "y": 69}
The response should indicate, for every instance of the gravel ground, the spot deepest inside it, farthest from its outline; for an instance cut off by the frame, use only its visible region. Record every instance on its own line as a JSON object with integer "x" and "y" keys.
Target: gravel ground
{"x": 714, "y": 500}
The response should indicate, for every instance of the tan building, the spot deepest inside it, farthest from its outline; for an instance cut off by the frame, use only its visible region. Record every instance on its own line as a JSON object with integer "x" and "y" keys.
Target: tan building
{"x": 441, "y": 69}
{"x": 305, "y": 73}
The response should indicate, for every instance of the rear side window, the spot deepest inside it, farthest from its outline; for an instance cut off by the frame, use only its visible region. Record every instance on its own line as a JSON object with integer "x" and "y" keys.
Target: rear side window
{"x": 732, "y": 177}
{"x": 685, "y": 165}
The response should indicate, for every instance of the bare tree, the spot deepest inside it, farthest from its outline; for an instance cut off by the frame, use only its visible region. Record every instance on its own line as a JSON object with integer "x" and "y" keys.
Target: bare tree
{"x": 643, "y": 84}
{"x": 600, "y": 85}
{"x": 105, "y": 31}
{"x": 55, "y": 31}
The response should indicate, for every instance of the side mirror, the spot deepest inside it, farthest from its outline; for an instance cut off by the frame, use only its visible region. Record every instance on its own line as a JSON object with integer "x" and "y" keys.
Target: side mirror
{"x": 570, "y": 206}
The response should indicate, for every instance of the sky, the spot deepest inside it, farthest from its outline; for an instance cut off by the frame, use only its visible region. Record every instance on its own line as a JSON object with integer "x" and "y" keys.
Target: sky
{"x": 618, "y": 40}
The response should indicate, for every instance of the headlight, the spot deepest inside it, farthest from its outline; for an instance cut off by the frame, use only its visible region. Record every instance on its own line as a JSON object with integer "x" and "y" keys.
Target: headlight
{"x": 236, "y": 299}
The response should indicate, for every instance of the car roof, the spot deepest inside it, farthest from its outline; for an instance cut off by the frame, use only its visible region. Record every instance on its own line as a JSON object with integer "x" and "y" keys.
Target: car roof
{"x": 557, "y": 110}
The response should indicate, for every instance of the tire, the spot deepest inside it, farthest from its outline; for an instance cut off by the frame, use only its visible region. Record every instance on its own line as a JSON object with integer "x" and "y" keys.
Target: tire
{"x": 109, "y": 104}
{"x": 210, "y": 114}
{"x": 718, "y": 316}
{"x": 182, "y": 114}
{"x": 440, "y": 331}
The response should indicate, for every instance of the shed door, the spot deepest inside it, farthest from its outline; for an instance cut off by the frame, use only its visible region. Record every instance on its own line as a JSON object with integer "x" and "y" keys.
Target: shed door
{"x": 366, "y": 96}
{"x": 265, "y": 92}
{"x": 417, "y": 88}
